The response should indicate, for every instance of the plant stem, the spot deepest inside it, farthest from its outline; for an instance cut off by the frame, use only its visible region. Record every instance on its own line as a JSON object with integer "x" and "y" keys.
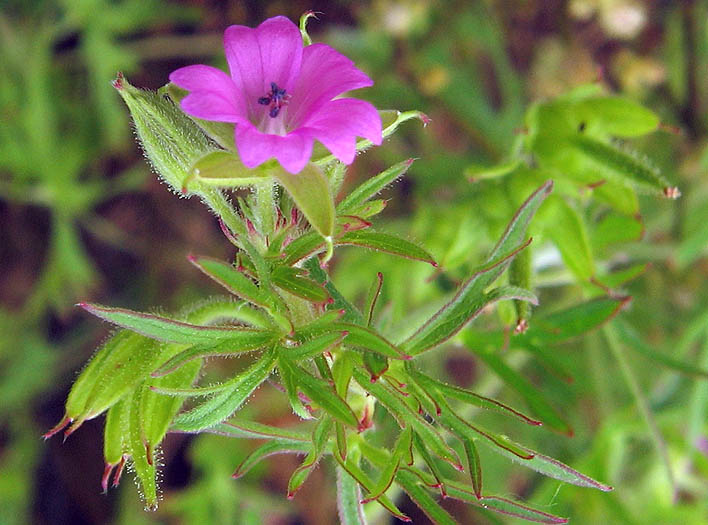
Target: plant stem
{"x": 641, "y": 400}
{"x": 348, "y": 497}
{"x": 265, "y": 206}
{"x": 220, "y": 205}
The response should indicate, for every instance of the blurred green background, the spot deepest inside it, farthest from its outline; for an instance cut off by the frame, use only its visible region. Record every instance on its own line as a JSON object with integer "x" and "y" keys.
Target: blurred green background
{"x": 82, "y": 218}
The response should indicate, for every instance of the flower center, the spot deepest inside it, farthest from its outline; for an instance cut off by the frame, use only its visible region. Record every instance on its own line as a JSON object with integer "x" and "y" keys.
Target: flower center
{"x": 276, "y": 98}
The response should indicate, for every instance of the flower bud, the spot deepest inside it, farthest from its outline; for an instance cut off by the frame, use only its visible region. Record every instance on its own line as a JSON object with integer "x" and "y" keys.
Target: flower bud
{"x": 172, "y": 142}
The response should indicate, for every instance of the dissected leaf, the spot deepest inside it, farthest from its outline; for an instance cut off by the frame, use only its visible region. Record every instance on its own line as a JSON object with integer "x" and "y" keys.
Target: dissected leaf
{"x": 370, "y": 187}
{"x": 224, "y": 404}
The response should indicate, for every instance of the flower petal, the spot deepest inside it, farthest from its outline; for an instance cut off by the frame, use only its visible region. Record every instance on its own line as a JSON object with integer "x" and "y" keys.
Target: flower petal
{"x": 270, "y": 53}
{"x": 325, "y": 73}
{"x": 340, "y": 121}
{"x": 293, "y": 151}
{"x": 213, "y": 94}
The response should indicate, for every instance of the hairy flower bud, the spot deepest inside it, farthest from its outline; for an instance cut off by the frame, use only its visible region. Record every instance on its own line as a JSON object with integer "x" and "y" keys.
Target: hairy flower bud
{"x": 172, "y": 142}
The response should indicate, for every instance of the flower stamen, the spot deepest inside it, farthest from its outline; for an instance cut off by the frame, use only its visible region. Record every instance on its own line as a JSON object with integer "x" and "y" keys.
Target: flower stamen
{"x": 276, "y": 98}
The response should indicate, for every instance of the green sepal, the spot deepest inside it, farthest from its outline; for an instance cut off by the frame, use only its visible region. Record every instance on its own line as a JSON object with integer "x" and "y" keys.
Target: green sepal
{"x": 220, "y": 132}
{"x": 221, "y": 169}
{"x": 157, "y": 410}
{"x": 114, "y": 432}
{"x": 142, "y": 458}
{"x": 311, "y": 193}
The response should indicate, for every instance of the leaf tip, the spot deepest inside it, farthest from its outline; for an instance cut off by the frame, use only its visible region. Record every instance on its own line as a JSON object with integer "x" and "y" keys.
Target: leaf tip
{"x": 57, "y": 428}
{"x": 117, "y": 82}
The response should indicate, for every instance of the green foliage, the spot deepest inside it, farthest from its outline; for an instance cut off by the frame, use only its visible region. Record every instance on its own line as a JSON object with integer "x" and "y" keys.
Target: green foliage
{"x": 375, "y": 372}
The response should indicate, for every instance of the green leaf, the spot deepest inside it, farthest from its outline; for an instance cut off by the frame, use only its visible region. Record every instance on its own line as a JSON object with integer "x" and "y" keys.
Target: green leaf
{"x": 431, "y": 462}
{"x": 467, "y": 396}
{"x": 465, "y": 430}
{"x": 369, "y": 339}
{"x": 353, "y": 470}
{"x": 624, "y": 165}
{"x": 351, "y": 313}
{"x": 470, "y": 298}
{"x": 172, "y": 331}
{"x": 401, "y": 450}
{"x": 241, "y": 428}
{"x": 569, "y": 323}
{"x": 310, "y": 191}
{"x": 386, "y": 242}
{"x": 615, "y": 228}
{"x": 502, "y": 505}
{"x": 407, "y": 416}
{"x": 474, "y": 466}
{"x": 320, "y": 392}
{"x": 230, "y": 278}
{"x": 223, "y": 405}
{"x": 423, "y": 499}
{"x": 616, "y": 116}
{"x": 269, "y": 449}
{"x": 224, "y": 349}
{"x": 631, "y": 339}
{"x": 126, "y": 360}
{"x": 288, "y": 381}
{"x": 535, "y": 400}
{"x": 313, "y": 347}
{"x": 304, "y": 246}
{"x": 565, "y": 226}
{"x": 371, "y": 187}
{"x": 520, "y": 275}
{"x": 115, "y": 351}
{"x": 320, "y": 438}
{"x": 291, "y": 280}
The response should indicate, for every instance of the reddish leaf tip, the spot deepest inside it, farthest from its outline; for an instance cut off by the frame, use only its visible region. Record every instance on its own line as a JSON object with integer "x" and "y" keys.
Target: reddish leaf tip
{"x": 192, "y": 258}
{"x": 410, "y": 161}
{"x": 106, "y": 475}
{"x": 57, "y": 428}
{"x": 425, "y": 119}
{"x": 406, "y": 357}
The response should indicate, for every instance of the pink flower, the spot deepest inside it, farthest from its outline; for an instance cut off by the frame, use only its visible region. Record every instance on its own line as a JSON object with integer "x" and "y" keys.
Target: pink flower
{"x": 281, "y": 96}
